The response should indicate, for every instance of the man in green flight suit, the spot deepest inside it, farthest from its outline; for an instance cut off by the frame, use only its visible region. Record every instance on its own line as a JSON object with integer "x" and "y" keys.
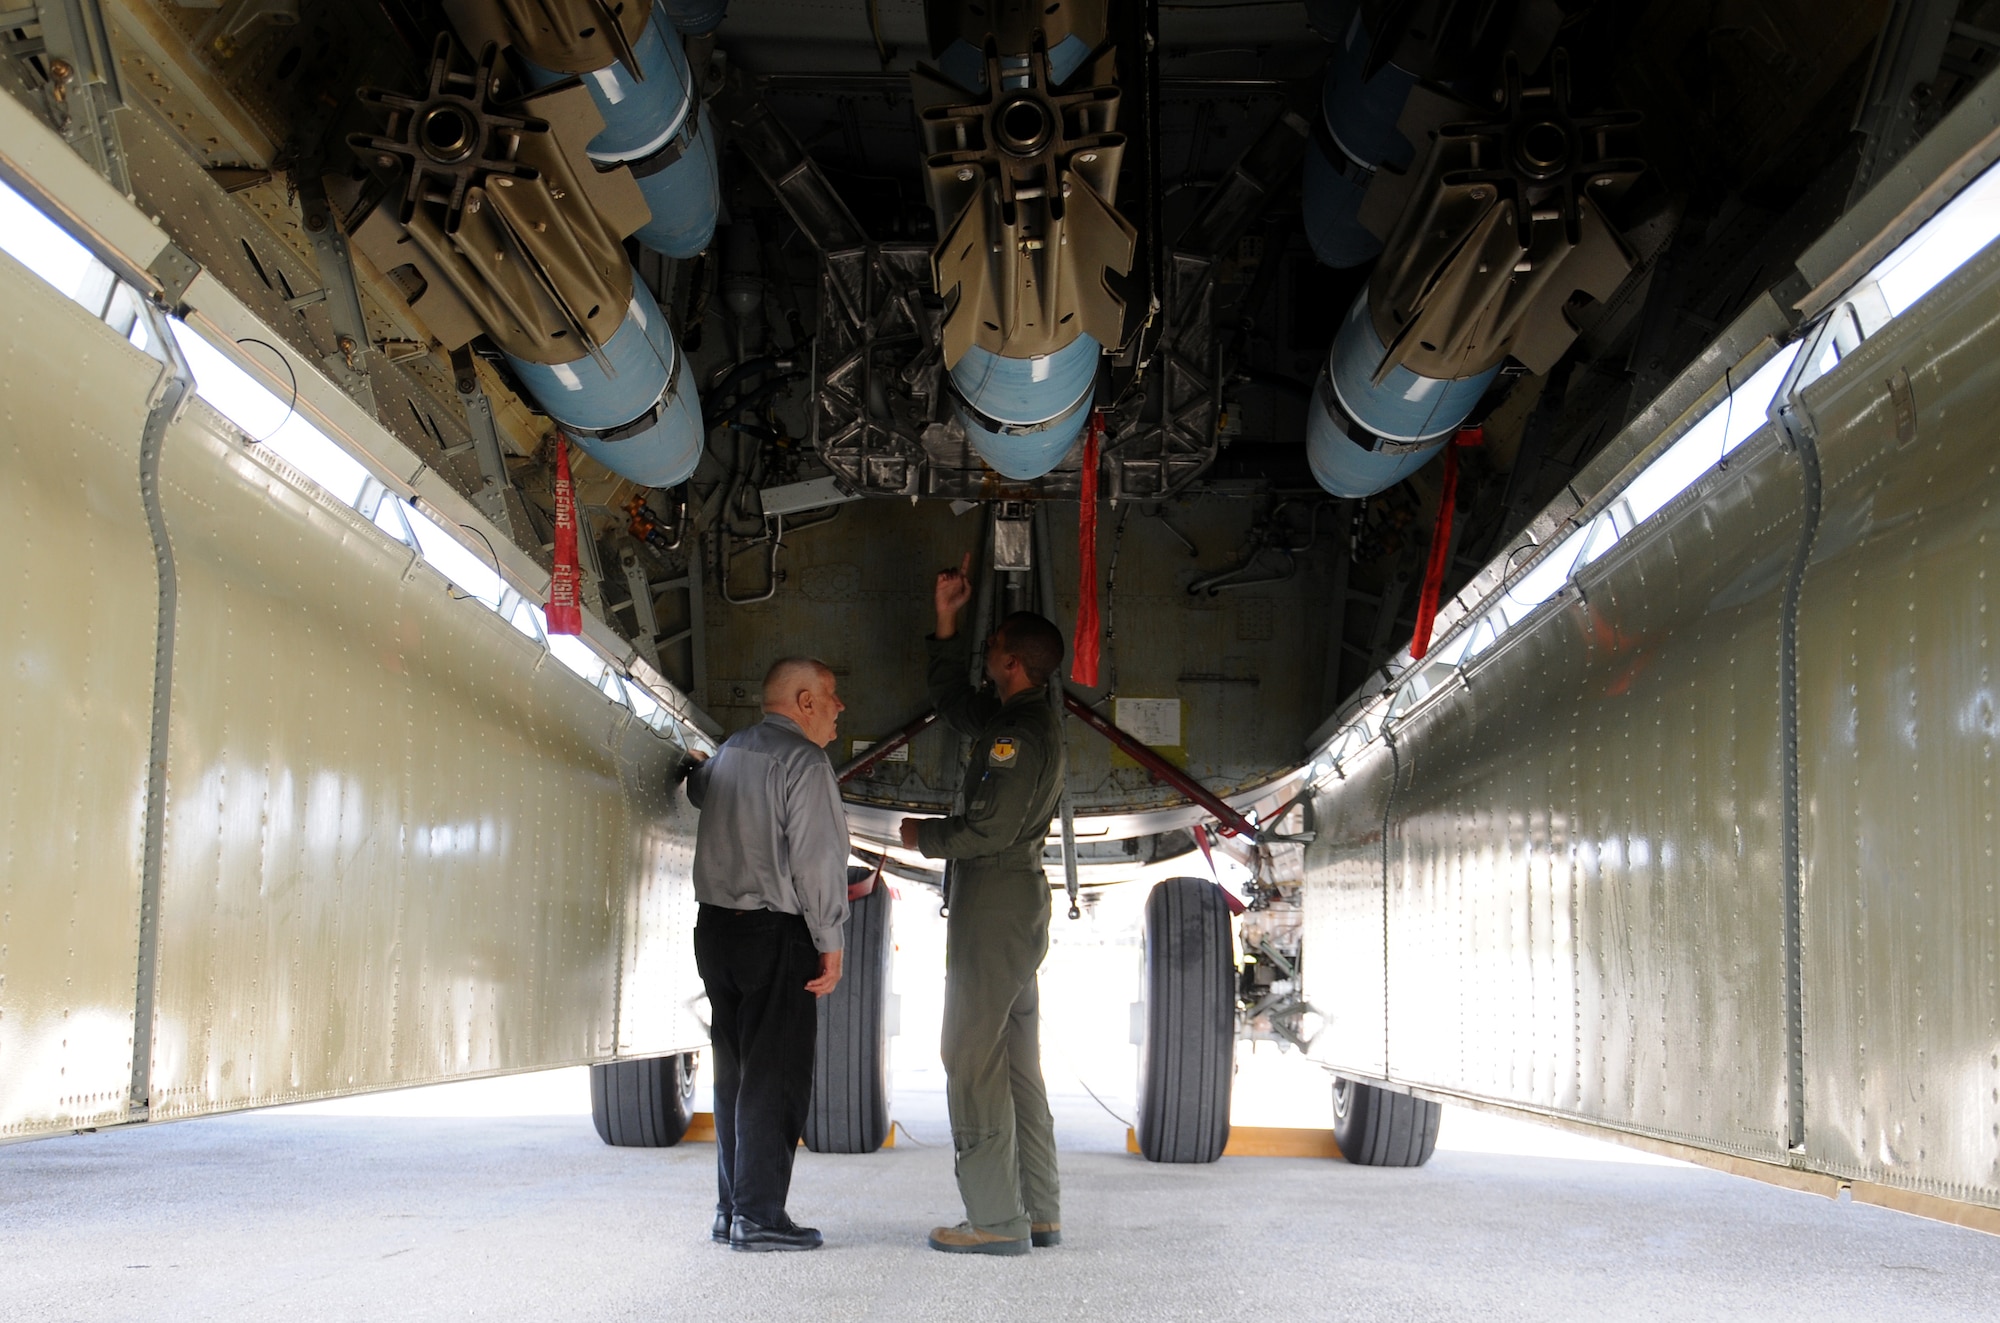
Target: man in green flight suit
{"x": 998, "y": 930}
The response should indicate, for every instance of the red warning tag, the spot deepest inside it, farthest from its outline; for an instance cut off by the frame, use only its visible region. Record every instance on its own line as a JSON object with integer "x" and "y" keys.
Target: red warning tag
{"x": 1087, "y": 641}
{"x": 565, "y": 608}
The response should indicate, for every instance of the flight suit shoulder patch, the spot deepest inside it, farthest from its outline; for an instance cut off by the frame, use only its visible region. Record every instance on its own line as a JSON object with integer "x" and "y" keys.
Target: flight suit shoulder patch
{"x": 1006, "y": 751}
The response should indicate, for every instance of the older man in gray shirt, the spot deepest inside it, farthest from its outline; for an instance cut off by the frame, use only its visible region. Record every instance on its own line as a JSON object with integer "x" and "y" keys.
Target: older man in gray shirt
{"x": 770, "y": 873}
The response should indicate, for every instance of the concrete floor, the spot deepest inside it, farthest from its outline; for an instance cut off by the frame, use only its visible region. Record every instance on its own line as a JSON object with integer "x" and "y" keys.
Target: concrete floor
{"x": 327, "y": 1217}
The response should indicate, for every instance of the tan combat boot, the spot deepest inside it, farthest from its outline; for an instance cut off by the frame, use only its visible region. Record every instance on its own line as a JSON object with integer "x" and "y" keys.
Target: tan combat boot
{"x": 1045, "y": 1235}
{"x": 965, "y": 1238}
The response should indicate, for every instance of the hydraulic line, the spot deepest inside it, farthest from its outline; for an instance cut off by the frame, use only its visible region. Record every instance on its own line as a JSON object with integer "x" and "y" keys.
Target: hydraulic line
{"x": 774, "y": 539}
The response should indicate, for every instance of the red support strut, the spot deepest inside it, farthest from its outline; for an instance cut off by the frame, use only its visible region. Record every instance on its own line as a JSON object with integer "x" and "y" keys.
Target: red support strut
{"x": 1434, "y": 568}
{"x": 1232, "y": 822}
{"x": 869, "y": 757}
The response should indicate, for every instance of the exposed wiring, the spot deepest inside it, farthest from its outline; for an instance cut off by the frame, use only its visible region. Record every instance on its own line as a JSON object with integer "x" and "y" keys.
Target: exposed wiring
{"x": 1105, "y": 1105}
{"x": 291, "y": 405}
{"x": 500, "y": 582}
{"x": 875, "y": 31}
{"x": 1728, "y": 412}
{"x": 1264, "y": 537}
{"x": 748, "y": 479}
{"x": 1180, "y": 537}
{"x": 1111, "y": 605}
{"x": 1507, "y": 565}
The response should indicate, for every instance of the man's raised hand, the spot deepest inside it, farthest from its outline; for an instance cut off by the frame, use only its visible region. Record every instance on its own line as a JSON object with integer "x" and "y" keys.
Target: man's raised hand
{"x": 952, "y": 592}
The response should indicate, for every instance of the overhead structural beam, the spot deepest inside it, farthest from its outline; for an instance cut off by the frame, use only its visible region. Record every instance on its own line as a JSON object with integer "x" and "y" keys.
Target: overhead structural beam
{"x": 83, "y": 88}
{"x": 495, "y": 483}
{"x": 1907, "y": 57}
{"x": 173, "y": 53}
{"x": 776, "y": 154}
{"x": 352, "y": 359}
{"x": 639, "y": 584}
{"x": 1243, "y": 196}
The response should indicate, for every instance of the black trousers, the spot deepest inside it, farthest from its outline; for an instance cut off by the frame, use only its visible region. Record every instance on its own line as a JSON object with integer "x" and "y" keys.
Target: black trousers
{"x": 756, "y": 964}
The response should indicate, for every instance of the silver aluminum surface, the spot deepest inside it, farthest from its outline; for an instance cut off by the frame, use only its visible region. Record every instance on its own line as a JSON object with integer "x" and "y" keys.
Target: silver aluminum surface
{"x": 1585, "y": 879}
{"x": 403, "y": 844}
{"x": 1897, "y": 746}
{"x": 77, "y": 614}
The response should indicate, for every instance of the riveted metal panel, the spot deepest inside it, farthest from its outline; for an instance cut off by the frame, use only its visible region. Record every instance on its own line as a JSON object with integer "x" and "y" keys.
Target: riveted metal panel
{"x": 1481, "y": 913}
{"x": 658, "y": 987}
{"x": 1344, "y": 970}
{"x": 1897, "y": 748}
{"x": 78, "y": 603}
{"x": 401, "y": 841}
{"x": 1626, "y": 753}
{"x": 1676, "y": 832}
{"x": 1585, "y": 887}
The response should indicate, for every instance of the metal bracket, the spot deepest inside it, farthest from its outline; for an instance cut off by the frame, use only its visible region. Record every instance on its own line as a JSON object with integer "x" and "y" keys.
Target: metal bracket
{"x": 83, "y": 89}
{"x": 593, "y": 567}
{"x": 1905, "y": 401}
{"x": 491, "y": 498}
{"x": 349, "y": 365}
{"x": 1013, "y": 541}
{"x": 233, "y": 22}
{"x": 641, "y": 588}
{"x": 696, "y": 632}
{"x": 175, "y": 271}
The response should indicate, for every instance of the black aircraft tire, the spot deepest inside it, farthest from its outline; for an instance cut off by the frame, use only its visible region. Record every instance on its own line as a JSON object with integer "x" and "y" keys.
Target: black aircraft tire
{"x": 1188, "y": 1059}
{"x": 643, "y": 1104}
{"x": 1377, "y": 1127}
{"x": 850, "y": 1097}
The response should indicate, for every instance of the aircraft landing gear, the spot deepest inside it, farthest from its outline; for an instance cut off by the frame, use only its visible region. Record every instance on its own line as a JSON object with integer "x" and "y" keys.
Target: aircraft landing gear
{"x": 849, "y": 1112}
{"x": 1187, "y": 1059}
{"x": 643, "y": 1104}
{"x": 1378, "y": 1127}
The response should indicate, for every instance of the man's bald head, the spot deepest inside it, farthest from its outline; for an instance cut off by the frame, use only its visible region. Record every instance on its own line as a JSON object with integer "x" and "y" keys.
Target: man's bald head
{"x": 790, "y": 676}
{"x": 802, "y": 689}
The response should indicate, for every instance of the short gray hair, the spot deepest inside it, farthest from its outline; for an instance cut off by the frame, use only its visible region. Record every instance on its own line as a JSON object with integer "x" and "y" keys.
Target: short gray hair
{"x": 789, "y": 675}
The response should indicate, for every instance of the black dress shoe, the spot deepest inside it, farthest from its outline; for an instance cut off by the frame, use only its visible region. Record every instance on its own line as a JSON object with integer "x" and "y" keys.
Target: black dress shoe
{"x": 754, "y": 1238}
{"x": 720, "y": 1231}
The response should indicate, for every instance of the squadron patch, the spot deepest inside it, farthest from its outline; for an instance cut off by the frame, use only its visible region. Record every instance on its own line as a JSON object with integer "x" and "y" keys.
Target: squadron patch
{"x": 1003, "y": 753}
